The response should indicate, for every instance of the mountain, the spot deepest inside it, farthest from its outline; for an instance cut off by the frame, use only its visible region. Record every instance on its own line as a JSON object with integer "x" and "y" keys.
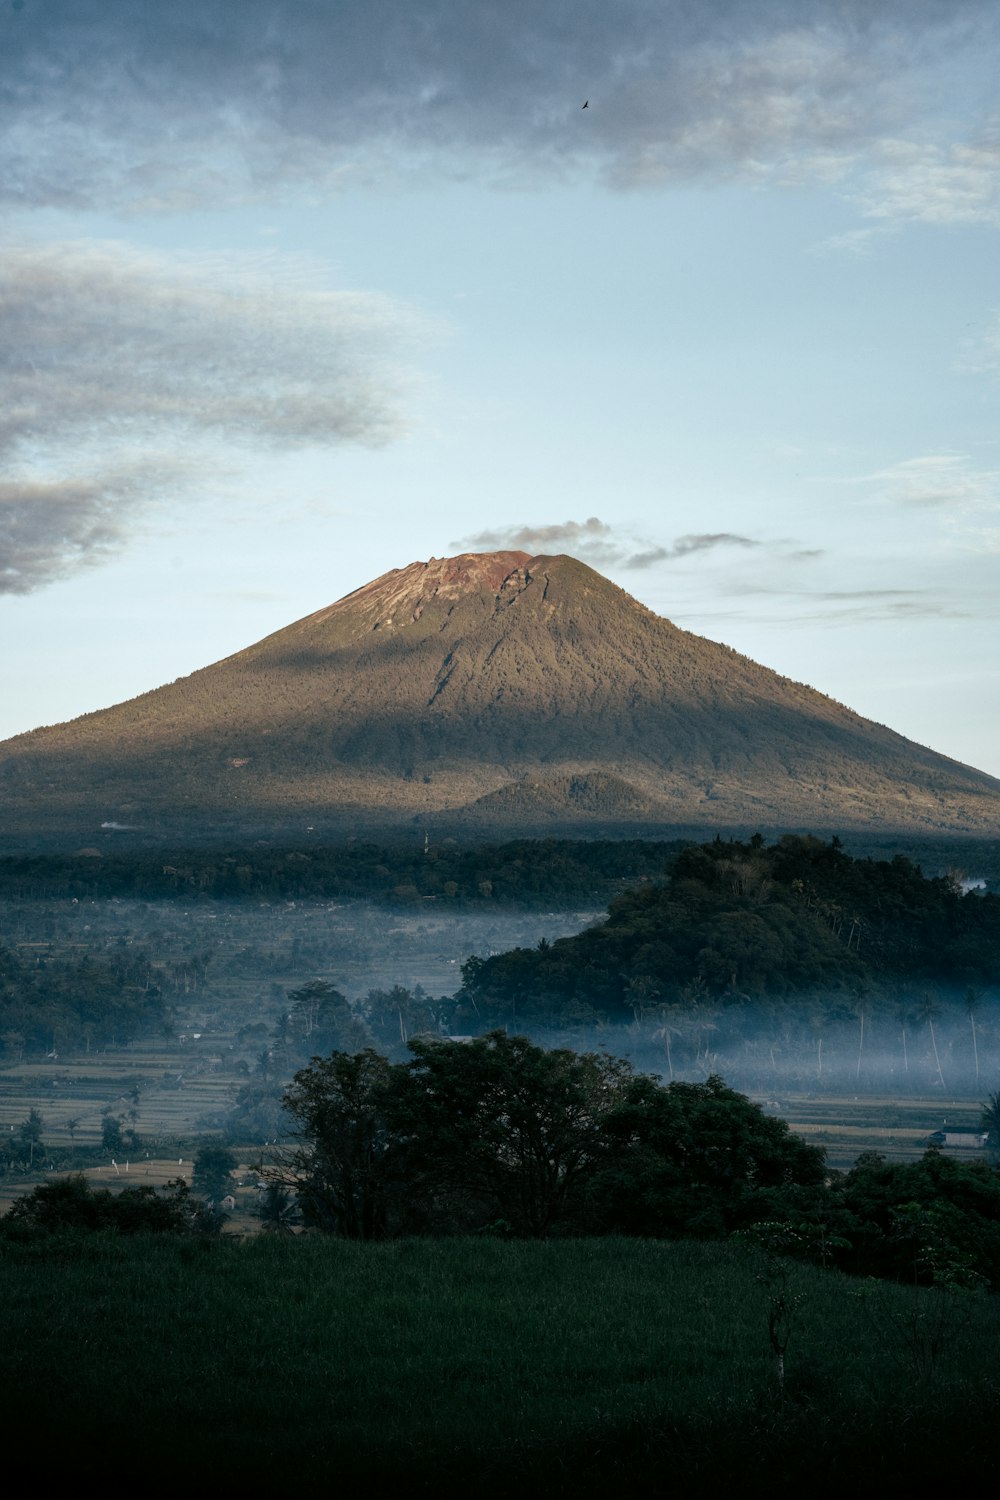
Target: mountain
{"x": 486, "y": 691}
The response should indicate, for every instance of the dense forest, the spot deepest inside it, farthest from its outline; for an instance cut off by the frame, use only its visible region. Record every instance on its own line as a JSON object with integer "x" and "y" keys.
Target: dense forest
{"x": 737, "y": 924}
{"x": 794, "y": 961}
{"x": 527, "y": 871}
{"x": 50, "y": 1004}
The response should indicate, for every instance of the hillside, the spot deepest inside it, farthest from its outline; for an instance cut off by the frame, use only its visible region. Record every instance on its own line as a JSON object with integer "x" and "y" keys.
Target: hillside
{"x": 737, "y": 925}
{"x": 476, "y": 691}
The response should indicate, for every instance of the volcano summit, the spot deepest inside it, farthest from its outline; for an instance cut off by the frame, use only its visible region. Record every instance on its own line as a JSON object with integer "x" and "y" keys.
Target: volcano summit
{"x": 493, "y": 691}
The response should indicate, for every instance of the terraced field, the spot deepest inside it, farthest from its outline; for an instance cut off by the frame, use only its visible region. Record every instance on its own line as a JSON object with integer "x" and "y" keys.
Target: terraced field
{"x": 898, "y": 1128}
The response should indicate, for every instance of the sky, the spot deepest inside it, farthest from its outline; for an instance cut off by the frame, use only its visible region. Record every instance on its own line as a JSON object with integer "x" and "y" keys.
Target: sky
{"x": 293, "y": 292}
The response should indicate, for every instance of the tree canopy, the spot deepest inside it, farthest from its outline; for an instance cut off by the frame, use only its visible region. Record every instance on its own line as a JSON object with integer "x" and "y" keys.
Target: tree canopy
{"x": 71, "y": 1205}
{"x": 498, "y": 1132}
{"x": 742, "y": 922}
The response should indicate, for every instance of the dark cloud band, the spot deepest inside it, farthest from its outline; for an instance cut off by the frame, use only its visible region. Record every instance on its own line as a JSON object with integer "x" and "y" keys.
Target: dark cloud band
{"x": 204, "y": 100}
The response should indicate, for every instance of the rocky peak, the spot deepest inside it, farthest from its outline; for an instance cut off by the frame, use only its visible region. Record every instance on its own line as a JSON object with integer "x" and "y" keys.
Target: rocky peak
{"x": 400, "y": 596}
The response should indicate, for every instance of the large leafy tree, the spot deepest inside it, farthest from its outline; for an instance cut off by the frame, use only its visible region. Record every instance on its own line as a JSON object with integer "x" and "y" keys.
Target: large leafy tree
{"x": 696, "y": 1158}
{"x": 342, "y": 1167}
{"x": 212, "y": 1176}
{"x": 498, "y": 1132}
{"x": 507, "y": 1131}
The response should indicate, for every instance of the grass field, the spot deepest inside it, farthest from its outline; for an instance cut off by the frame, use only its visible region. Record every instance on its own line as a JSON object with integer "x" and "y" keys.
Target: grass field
{"x": 572, "y": 1368}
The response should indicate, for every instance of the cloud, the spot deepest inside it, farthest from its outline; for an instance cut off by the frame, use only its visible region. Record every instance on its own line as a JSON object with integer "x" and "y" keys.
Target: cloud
{"x": 858, "y": 244}
{"x": 938, "y": 480}
{"x": 852, "y": 606}
{"x": 928, "y": 183}
{"x": 110, "y": 357}
{"x": 49, "y": 529}
{"x": 542, "y": 538}
{"x": 872, "y": 605}
{"x": 204, "y": 101}
{"x": 647, "y": 559}
{"x": 684, "y": 546}
{"x": 983, "y": 353}
{"x": 705, "y": 541}
{"x": 596, "y": 542}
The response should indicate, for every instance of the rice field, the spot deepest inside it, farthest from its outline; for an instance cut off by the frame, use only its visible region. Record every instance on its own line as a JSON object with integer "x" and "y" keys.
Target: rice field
{"x": 563, "y": 1368}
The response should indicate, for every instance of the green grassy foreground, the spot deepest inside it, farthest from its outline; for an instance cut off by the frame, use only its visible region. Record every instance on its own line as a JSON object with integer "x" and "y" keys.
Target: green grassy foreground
{"x": 555, "y": 1367}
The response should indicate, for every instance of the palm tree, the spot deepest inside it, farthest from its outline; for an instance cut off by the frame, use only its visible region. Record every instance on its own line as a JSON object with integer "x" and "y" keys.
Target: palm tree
{"x": 642, "y": 994}
{"x": 972, "y": 999}
{"x": 862, "y": 1009}
{"x": 928, "y": 1010}
{"x": 278, "y": 1209}
{"x": 671, "y": 1019}
{"x": 904, "y": 1015}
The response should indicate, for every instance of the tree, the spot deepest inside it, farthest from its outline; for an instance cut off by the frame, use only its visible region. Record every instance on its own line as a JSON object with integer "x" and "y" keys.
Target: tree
{"x": 322, "y": 1018}
{"x": 212, "y": 1174}
{"x": 112, "y": 1139}
{"x": 70, "y": 1203}
{"x": 498, "y": 1131}
{"x": 342, "y": 1167}
{"x": 991, "y": 1122}
{"x": 29, "y": 1136}
{"x": 278, "y": 1209}
{"x": 397, "y": 1014}
{"x": 972, "y": 1000}
{"x": 257, "y": 1113}
{"x": 929, "y": 1010}
{"x": 696, "y": 1158}
{"x": 877, "y": 1199}
{"x": 504, "y": 1129}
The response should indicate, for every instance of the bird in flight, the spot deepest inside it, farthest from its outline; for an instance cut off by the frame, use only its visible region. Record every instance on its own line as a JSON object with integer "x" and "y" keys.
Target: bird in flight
{"x": 584, "y": 104}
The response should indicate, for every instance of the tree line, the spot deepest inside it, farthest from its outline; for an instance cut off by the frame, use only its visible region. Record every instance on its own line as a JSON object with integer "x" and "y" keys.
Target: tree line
{"x": 523, "y": 871}
{"x": 499, "y": 1136}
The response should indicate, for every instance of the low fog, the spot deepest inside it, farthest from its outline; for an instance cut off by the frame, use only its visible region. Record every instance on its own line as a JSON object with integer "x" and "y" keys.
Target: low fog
{"x": 227, "y": 971}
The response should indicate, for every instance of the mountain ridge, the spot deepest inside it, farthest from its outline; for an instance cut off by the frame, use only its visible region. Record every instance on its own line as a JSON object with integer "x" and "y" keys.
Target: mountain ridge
{"x": 437, "y": 690}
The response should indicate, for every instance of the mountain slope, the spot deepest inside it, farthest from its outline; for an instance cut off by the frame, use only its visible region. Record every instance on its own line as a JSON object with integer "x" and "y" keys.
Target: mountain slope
{"x": 494, "y": 688}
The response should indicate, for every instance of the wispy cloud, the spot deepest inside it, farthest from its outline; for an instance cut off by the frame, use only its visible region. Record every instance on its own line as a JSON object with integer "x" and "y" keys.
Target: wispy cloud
{"x": 850, "y": 606}
{"x": 205, "y": 101}
{"x": 938, "y": 480}
{"x": 538, "y": 538}
{"x": 706, "y": 541}
{"x": 110, "y": 357}
{"x": 596, "y": 542}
